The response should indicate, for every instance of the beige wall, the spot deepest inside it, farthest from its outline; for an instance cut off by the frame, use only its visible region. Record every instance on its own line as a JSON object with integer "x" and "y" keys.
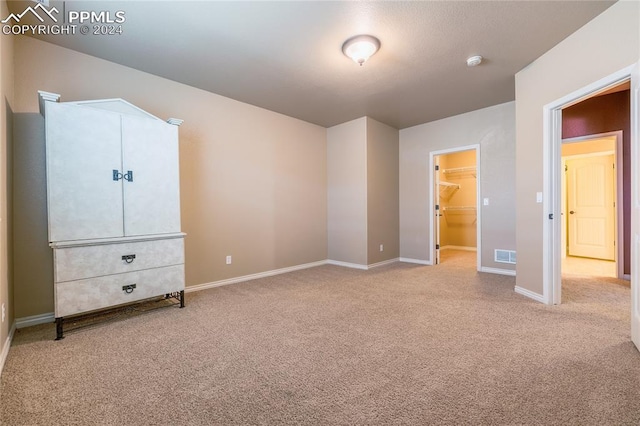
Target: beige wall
{"x": 347, "y": 192}
{"x": 253, "y": 182}
{"x": 362, "y": 181}
{"x": 34, "y": 285}
{"x": 382, "y": 192}
{"x": 611, "y": 41}
{"x": 256, "y": 185}
{"x": 6, "y": 107}
{"x": 493, "y": 129}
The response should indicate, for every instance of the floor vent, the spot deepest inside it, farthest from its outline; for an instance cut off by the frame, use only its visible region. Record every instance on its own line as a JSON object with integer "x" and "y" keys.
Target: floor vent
{"x": 505, "y": 256}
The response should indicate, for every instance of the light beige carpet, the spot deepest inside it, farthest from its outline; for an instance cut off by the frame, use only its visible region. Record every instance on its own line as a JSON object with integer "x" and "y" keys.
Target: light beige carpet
{"x": 400, "y": 344}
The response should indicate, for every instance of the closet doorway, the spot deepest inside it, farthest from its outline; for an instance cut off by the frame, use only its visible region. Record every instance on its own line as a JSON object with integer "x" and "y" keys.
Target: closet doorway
{"x": 456, "y": 216}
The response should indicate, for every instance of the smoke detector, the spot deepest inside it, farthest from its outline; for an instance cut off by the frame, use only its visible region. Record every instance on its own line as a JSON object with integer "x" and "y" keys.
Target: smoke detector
{"x": 474, "y": 61}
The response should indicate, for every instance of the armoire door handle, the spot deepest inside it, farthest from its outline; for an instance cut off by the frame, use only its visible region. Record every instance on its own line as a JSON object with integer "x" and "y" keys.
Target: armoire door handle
{"x": 127, "y": 176}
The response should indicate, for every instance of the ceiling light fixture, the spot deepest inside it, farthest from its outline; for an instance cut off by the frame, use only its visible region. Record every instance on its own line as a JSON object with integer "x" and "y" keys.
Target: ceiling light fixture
{"x": 360, "y": 48}
{"x": 474, "y": 61}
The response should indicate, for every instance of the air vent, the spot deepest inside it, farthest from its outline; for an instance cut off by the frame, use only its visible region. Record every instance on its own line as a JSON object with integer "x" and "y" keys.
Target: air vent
{"x": 505, "y": 256}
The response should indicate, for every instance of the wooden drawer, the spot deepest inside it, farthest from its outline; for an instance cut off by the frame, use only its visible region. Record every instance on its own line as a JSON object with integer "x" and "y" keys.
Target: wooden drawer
{"x": 76, "y": 263}
{"x": 74, "y": 297}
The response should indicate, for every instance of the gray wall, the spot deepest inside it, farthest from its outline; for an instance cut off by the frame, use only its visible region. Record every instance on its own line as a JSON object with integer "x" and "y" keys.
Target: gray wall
{"x": 6, "y": 119}
{"x": 253, "y": 182}
{"x": 493, "y": 129}
{"x": 362, "y": 181}
{"x": 32, "y": 256}
{"x": 613, "y": 39}
{"x": 347, "y": 192}
{"x": 383, "y": 218}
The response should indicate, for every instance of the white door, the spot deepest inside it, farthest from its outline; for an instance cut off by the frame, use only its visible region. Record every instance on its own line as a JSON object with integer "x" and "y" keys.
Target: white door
{"x": 83, "y": 150}
{"x": 438, "y": 207}
{"x": 635, "y": 205}
{"x": 591, "y": 208}
{"x": 564, "y": 212}
{"x": 151, "y": 176}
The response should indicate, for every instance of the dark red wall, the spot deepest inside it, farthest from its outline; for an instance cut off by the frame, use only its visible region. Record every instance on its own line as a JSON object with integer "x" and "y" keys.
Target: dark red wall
{"x": 603, "y": 114}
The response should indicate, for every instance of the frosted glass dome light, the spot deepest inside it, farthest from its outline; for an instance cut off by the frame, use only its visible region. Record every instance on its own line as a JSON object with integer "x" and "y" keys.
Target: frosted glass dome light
{"x": 360, "y": 48}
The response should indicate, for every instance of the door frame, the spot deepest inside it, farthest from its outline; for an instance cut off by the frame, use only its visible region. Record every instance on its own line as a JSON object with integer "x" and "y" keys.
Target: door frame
{"x": 551, "y": 203}
{"x": 432, "y": 194}
{"x": 619, "y": 196}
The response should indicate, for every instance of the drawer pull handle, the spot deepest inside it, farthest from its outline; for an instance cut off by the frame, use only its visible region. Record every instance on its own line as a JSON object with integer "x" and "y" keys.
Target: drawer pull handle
{"x": 129, "y": 258}
{"x": 128, "y": 288}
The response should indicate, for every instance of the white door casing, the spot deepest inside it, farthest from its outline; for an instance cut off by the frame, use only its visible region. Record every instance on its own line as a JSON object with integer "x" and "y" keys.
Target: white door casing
{"x": 591, "y": 209}
{"x": 563, "y": 211}
{"x": 635, "y": 204}
{"x": 438, "y": 212}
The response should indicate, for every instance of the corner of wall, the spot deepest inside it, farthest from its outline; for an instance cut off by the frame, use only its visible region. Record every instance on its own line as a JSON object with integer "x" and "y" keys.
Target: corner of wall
{"x": 6, "y": 345}
{"x": 6, "y": 138}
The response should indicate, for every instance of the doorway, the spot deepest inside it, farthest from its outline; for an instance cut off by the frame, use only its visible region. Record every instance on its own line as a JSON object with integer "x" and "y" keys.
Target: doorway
{"x": 555, "y": 128}
{"x": 592, "y": 205}
{"x": 552, "y": 141}
{"x": 455, "y": 216}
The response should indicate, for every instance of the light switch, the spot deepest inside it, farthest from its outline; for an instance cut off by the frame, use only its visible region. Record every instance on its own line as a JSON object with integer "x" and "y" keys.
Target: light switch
{"x": 485, "y": 201}
{"x": 538, "y": 197}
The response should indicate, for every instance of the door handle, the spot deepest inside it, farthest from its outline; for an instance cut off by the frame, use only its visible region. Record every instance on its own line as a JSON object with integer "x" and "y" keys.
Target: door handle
{"x": 571, "y": 212}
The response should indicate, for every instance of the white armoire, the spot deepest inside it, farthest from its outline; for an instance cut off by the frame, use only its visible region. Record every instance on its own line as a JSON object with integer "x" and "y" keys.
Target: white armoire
{"x": 113, "y": 195}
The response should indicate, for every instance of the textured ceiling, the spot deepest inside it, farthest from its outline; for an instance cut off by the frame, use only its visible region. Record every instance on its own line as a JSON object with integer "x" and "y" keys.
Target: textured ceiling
{"x": 286, "y": 56}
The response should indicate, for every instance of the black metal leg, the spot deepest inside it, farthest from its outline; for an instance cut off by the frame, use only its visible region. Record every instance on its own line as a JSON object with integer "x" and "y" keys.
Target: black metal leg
{"x": 59, "y": 331}
{"x": 182, "y": 298}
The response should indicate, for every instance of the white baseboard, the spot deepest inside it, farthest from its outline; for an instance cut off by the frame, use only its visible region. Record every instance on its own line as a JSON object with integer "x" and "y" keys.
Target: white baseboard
{"x": 384, "y": 262}
{"x": 362, "y": 267}
{"x": 6, "y": 346}
{"x": 530, "y": 294}
{"x": 499, "y": 271}
{"x": 347, "y": 264}
{"x": 464, "y": 248}
{"x": 35, "y": 320}
{"x": 416, "y": 261}
{"x": 243, "y": 278}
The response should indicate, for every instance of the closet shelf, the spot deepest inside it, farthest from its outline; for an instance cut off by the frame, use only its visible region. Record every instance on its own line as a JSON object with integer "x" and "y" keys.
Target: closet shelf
{"x": 460, "y": 172}
{"x": 459, "y": 210}
{"x": 460, "y": 215}
{"x": 447, "y": 189}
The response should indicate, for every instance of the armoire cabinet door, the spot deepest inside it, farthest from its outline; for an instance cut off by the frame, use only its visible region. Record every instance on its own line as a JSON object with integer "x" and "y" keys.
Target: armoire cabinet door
{"x": 152, "y": 197}
{"x": 83, "y": 149}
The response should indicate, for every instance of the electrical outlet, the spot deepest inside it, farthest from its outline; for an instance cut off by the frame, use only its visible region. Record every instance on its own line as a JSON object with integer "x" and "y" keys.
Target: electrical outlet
{"x": 3, "y": 312}
{"x": 228, "y": 260}
{"x": 381, "y": 247}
